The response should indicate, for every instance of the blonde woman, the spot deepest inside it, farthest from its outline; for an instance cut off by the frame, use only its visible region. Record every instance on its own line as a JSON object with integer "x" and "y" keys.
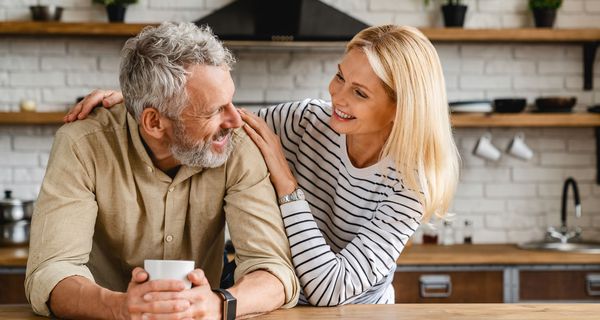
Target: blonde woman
{"x": 357, "y": 175}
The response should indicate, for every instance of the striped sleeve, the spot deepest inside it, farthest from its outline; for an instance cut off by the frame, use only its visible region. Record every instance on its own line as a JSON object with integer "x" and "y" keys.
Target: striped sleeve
{"x": 330, "y": 279}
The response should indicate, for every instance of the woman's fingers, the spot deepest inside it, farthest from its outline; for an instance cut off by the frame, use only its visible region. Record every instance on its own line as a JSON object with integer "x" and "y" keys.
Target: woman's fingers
{"x": 258, "y": 140}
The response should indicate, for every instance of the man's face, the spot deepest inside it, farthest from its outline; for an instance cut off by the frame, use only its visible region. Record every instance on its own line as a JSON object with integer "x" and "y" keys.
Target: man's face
{"x": 202, "y": 135}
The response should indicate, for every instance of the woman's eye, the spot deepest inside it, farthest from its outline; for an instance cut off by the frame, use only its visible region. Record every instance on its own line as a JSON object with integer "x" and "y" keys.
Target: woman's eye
{"x": 360, "y": 94}
{"x": 339, "y": 76}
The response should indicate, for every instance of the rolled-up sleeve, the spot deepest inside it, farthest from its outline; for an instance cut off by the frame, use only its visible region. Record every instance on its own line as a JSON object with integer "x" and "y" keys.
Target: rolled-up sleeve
{"x": 254, "y": 220}
{"x": 62, "y": 225}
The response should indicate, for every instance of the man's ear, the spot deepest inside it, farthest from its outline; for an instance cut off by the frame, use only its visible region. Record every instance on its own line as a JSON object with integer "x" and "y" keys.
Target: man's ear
{"x": 153, "y": 123}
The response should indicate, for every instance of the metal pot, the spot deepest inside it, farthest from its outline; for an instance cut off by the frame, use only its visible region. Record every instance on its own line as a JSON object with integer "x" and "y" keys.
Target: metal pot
{"x": 14, "y": 233}
{"x": 14, "y": 209}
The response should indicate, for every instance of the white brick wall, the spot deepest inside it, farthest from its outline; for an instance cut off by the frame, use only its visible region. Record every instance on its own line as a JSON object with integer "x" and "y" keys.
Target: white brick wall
{"x": 509, "y": 201}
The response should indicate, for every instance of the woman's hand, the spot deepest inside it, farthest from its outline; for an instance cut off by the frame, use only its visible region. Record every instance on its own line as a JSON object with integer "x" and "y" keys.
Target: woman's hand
{"x": 270, "y": 146}
{"x": 108, "y": 98}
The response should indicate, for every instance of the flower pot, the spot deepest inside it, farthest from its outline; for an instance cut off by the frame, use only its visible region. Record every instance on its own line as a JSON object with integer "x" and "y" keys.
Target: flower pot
{"x": 116, "y": 12}
{"x": 454, "y": 15}
{"x": 544, "y": 18}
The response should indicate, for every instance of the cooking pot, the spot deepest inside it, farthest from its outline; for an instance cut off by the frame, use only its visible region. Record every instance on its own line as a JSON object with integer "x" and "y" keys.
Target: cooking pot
{"x": 14, "y": 233}
{"x": 14, "y": 209}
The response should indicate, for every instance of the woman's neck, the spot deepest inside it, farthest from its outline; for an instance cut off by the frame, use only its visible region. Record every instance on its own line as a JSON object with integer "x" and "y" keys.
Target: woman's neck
{"x": 364, "y": 150}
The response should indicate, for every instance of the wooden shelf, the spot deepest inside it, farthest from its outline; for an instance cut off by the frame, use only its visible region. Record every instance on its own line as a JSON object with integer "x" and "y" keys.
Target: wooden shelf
{"x": 461, "y": 120}
{"x": 31, "y": 118}
{"x": 435, "y": 34}
{"x": 474, "y": 120}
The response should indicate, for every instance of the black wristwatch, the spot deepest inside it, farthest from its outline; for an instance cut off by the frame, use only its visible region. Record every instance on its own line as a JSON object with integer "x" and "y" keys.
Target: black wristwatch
{"x": 229, "y": 304}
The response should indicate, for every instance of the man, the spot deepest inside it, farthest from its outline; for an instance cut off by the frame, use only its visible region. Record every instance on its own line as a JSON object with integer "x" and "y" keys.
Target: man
{"x": 158, "y": 181}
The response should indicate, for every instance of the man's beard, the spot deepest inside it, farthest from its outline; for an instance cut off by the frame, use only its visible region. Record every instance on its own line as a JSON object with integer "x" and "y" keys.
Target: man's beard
{"x": 199, "y": 153}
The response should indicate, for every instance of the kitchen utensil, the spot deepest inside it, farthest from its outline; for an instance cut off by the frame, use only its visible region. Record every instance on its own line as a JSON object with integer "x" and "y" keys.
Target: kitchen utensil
{"x": 555, "y": 104}
{"x": 509, "y": 105}
{"x": 518, "y": 148}
{"x": 485, "y": 149}
{"x": 471, "y": 106}
{"x": 170, "y": 269}
{"x": 14, "y": 233}
{"x": 46, "y": 13}
{"x": 14, "y": 209}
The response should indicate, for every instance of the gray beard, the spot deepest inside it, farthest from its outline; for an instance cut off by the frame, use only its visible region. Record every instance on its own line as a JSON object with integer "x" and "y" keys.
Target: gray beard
{"x": 199, "y": 154}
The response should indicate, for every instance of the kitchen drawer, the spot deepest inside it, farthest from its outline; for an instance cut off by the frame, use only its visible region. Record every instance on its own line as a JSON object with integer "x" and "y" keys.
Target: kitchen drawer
{"x": 12, "y": 288}
{"x": 452, "y": 286}
{"x": 559, "y": 285}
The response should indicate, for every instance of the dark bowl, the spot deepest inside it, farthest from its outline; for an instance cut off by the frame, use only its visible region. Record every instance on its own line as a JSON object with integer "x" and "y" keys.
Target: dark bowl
{"x": 46, "y": 13}
{"x": 510, "y": 105}
{"x": 555, "y": 104}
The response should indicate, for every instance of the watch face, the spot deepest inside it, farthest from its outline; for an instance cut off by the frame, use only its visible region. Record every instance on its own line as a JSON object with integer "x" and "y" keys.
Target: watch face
{"x": 300, "y": 194}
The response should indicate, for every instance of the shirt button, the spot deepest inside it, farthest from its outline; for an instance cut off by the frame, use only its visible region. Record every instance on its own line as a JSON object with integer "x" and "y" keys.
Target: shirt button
{"x": 169, "y": 238}
{"x": 171, "y": 189}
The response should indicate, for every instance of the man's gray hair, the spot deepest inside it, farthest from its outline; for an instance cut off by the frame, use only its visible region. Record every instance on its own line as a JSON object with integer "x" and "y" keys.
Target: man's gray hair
{"x": 155, "y": 63}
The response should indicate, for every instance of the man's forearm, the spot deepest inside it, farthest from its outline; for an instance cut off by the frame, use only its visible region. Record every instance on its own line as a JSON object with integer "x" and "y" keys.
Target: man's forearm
{"x": 258, "y": 292}
{"x": 77, "y": 297}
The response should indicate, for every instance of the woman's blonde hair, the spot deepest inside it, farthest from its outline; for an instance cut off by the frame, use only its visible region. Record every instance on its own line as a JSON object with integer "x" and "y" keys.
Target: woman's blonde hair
{"x": 421, "y": 139}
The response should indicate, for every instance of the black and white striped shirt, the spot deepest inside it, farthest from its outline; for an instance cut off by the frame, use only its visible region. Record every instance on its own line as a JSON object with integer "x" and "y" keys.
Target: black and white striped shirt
{"x": 346, "y": 237}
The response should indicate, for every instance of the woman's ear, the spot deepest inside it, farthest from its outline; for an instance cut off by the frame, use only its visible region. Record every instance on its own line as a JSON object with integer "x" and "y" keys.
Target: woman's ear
{"x": 153, "y": 123}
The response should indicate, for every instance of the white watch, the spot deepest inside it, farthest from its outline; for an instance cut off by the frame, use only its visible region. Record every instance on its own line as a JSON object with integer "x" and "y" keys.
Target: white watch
{"x": 296, "y": 195}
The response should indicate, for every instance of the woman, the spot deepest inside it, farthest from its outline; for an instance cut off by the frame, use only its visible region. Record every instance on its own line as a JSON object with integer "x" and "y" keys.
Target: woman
{"x": 371, "y": 164}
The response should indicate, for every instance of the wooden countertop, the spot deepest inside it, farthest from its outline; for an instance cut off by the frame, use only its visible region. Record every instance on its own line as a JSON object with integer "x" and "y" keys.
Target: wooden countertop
{"x": 489, "y": 254}
{"x": 13, "y": 256}
{"x": 404, "y": 311}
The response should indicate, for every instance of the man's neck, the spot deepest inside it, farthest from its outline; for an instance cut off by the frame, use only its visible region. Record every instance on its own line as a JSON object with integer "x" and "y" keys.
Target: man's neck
{"x": 160, "y": 153}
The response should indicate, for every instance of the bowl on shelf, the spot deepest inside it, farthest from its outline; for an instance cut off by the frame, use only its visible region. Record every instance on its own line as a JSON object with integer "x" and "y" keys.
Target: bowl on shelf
{"x": 555, "y": 104}
{"x": 46, "y": 13}
{"x": 509, "y": 105}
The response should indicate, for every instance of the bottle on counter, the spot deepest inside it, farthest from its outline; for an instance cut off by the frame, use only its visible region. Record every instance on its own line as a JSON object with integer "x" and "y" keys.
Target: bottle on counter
{"x": 468, "y": 232}
{"x": 447, "y": 234}
{"x": 430, "y": 234}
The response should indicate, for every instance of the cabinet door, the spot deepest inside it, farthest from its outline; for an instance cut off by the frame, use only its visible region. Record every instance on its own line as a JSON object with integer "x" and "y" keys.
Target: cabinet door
{"x": 559, "y": 285}
{"x": 12, "y": 288}
{"x": 454, "y": 286}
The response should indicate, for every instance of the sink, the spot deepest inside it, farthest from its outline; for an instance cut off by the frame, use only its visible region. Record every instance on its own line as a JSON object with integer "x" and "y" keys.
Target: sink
{"x": 578, "y": 247}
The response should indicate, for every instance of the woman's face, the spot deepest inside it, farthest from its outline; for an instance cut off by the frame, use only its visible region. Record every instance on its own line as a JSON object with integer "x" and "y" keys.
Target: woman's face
{"x": 360, "y": 103}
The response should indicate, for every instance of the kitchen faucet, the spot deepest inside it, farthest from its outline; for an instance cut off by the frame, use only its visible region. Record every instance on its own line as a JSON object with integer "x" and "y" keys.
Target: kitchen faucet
{"x": 564, "y": 234}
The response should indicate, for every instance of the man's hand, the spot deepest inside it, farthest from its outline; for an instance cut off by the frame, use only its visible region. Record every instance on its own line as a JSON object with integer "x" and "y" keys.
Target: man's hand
{"x": 203, "y": 303}
{"x": 141, "y": 300}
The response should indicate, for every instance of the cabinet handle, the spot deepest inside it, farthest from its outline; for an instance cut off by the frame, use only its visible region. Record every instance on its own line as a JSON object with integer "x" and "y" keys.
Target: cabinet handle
{"x": 435, "y": 286}
{"x": 592, "y": 284}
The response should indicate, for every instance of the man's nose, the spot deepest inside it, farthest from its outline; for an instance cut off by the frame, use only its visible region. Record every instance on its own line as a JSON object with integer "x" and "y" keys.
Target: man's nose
{"x": 232, "y": 117}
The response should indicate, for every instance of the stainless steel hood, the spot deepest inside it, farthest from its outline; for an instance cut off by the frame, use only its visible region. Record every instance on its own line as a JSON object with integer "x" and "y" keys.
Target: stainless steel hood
{"x": 281, "y": 20}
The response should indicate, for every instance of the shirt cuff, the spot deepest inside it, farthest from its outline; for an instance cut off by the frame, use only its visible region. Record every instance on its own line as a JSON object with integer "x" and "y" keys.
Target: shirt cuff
{"x": 286, "y": 275}
{"x": 290, "y": 208}
{"x": 43, "y": 281}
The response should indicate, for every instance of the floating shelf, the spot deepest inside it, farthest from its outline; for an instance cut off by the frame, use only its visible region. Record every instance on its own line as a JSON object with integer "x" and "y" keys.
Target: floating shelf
{"x": 31, "y": 118}
{"x": 463, "y": 120}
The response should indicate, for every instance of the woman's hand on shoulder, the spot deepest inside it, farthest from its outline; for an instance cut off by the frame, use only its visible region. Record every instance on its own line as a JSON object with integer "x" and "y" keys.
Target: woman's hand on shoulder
{"x": 107, "y": 98}
{"x": 269, "y": 145}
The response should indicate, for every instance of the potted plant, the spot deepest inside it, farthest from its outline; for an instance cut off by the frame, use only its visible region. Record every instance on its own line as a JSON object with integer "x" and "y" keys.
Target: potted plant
{"x": 454, "y": 13}
{"x": 544, "y": 12}
{"x": 115, "y": 8}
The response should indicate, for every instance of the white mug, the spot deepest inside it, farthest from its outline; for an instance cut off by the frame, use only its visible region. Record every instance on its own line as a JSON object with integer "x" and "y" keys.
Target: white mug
{"x": 170, "y": 269}
{"x": 518, "y": 148}
{"x": 485, "y": 149}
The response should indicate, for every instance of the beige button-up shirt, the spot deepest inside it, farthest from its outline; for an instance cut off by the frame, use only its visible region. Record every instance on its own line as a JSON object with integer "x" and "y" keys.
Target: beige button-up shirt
{"x": 104, "y": 207}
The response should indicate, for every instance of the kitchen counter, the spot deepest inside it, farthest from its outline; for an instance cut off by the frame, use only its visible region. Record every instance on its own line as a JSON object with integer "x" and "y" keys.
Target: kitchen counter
{"x": 403, "y": 311}
{"x": 13, "y": 256}
{"x": 491, "y": 254}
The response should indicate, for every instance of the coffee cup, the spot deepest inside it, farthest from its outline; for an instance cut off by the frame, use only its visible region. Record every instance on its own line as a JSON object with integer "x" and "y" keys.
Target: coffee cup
{"x": 170, "y": 269}
{"x": 518, "y": 148}
{"x": 485, "y": 149}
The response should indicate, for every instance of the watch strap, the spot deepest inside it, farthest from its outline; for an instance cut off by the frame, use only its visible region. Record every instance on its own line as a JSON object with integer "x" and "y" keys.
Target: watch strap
{"x": 229, "y": 304}
{"x": 296, "y": 195}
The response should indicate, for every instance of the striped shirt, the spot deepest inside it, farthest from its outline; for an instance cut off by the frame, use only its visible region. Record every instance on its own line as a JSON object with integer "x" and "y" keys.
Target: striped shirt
{"x": 346, "y": 237}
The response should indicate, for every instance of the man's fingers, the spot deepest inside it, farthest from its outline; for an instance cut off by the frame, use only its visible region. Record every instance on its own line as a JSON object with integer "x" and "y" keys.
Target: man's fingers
{"x": 168, "y": 306}
{"x": 163, "y": 296}
{"x": 163, "y": 285}
{"x": 198, "y": 278}
{"x": 139, "y": 275}
{"x": 168, "y": 316}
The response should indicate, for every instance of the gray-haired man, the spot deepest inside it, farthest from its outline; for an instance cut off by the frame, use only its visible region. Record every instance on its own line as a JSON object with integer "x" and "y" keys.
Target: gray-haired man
{"x": 158, "y": 181}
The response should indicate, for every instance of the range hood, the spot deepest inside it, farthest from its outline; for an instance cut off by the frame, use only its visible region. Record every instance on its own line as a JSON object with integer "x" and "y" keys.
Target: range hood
{"x": 281, "y": 20}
